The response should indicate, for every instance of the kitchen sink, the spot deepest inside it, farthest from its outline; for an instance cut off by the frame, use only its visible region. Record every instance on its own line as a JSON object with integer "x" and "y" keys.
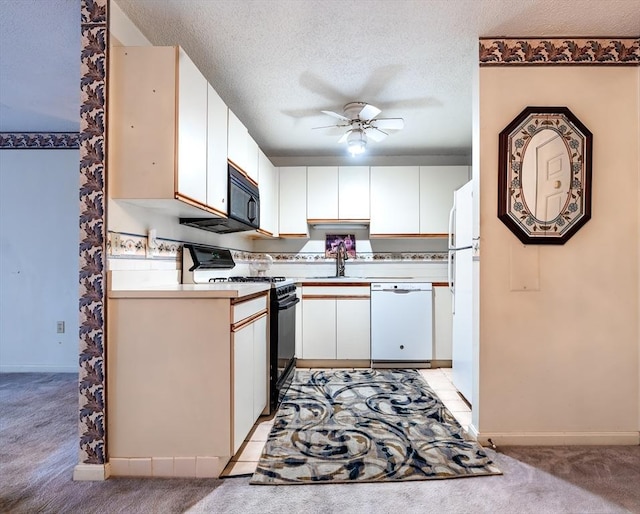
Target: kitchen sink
{"x": 326, "y": 277}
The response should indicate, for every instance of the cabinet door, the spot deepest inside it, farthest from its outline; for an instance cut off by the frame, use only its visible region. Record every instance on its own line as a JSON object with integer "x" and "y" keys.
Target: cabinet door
{"x": 268, "y": 194}
{"x": 299, "y": 327}
{"x": 437, "y": 184}
{"x": 192, "y": 131}
{"x": 142, "y": 122}
{"x": 260, "y": 365}
{"x": 395, "y": 200}
{"x": 292, "y": 202}
{"x": 243, "y": 390}
{"x": 216, "y": 151}
{"x": 353, "y": 328}
{"x": 442, "y": 323}
{"x": 237, "y": 142}
{"x": 322, "y": 192}
{"x": 319, "y": 332}
{"x": 252, "y": 157}
{"x": 353, "y": 192}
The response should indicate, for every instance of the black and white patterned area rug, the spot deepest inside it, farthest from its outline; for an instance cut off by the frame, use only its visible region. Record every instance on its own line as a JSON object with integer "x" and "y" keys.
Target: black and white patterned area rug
{"x": 368, "y": 425}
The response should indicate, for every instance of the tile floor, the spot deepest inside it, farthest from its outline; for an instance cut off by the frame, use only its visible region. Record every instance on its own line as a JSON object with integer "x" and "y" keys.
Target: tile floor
{"x": 439, "y": 379}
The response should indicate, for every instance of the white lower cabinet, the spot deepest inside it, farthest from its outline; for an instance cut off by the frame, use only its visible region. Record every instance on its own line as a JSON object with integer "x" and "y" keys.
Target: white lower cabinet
{"x": 336, "y": 323}
{"x": 260, "y": 366}
{"x": 353, "y": 333}
{"x": 242, "y": 385}
{"x": 442, "y": 323}
{"x": 249, "y": 342}
{"x": 319, "y": 328}
{"x": 187, "y": 377}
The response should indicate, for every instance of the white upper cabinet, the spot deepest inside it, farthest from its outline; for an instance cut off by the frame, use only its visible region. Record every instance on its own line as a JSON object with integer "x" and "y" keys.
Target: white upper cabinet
{"x": 322, "y": 192}
{"x": 242, "y": 150}
{"x": 353, "y": 193}
{"x": 268, "y": 195}
{"x": 437, "y": 184}
{"x": 253, "y": 158}
{"x": 292, "y": 215}
{"x": 395, "y": 201}
{"x": 237, "y": 142}
{"x": 338, "y": 193}
{"x": 216, "y": 151}
{"x": 192, "y": 130}
{"x": 167, "y": 133}
{"x": 157, "y": 127}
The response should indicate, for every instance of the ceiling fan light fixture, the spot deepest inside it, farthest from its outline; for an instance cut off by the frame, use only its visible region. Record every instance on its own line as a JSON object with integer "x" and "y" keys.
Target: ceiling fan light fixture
{"x": 356, "y": 142}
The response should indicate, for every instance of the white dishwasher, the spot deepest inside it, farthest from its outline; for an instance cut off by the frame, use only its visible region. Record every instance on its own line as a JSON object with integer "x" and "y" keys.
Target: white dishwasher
{"x": 401, "y": 321}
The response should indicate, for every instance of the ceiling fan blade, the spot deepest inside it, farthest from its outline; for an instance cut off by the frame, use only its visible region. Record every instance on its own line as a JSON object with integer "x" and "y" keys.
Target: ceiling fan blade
{"x": 375, "y": 134}
{"x": 369, "y": 112}
{"x": 344, "y": 136}
{"x": 388, "y": 123}
{"x": 336, "y": 115}
{"x": 329, "y": 126}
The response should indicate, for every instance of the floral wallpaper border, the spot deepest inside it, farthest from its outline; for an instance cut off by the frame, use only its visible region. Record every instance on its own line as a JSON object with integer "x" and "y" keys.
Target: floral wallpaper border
{"x": 559, "y": 51}
{"x": 39, "y": 140}
{"x": 92, "y": 248}
{"x": 360, "y": 257}
{"x": 121, "y": 245}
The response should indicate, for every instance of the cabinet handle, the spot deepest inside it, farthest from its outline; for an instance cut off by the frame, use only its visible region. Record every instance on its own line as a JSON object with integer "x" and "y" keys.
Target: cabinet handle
{"x": 236, "y": 327}
{"x": 251, "y": 210}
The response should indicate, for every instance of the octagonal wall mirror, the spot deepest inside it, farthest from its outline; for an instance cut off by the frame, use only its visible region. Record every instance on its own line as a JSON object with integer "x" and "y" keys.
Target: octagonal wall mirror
{"x": 544, "y": 176}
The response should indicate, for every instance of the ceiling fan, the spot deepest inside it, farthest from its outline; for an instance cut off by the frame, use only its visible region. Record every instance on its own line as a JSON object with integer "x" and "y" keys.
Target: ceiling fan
{"x": 360, "y": 120}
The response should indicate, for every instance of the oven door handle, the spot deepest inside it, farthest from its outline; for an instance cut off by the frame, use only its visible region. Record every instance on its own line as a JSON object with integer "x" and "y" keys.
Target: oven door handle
{"x": 289, "y": 304}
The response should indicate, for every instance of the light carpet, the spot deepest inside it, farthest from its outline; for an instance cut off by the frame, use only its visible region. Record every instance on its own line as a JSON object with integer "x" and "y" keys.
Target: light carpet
{"x": 371, "y": 425}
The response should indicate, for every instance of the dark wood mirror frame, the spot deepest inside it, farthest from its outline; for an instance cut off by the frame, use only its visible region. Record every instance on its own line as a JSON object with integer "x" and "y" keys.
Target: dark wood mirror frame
{"x": 565, "y": 185}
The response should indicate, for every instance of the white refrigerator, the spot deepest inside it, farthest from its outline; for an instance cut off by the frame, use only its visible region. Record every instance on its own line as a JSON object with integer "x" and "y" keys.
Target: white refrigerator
{"x": 460, "y": 275}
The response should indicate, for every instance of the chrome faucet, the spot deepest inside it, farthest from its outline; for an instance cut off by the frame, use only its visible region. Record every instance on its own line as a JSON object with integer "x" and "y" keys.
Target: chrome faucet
{"x": 341, "y": 257}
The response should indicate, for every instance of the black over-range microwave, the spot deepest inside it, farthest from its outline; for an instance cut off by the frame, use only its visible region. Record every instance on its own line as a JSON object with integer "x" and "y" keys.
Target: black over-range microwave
{"x": 243, "y": 205}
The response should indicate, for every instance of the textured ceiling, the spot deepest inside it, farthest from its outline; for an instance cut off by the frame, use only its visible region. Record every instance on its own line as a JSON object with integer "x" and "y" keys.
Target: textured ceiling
{"x": 278, "y": 63}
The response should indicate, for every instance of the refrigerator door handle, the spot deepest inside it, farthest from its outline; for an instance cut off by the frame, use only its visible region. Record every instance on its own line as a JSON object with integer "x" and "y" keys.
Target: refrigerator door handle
{"x": 450, "y": 270}
{"x": 451, "y": 220}
{"x": 450, "y": 280}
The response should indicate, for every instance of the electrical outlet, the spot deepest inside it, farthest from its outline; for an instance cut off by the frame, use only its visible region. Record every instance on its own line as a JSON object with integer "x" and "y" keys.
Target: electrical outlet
{"x": 60, "y": 327}
{"x": 116, "y": 242}
{"x": 152, "y": 244}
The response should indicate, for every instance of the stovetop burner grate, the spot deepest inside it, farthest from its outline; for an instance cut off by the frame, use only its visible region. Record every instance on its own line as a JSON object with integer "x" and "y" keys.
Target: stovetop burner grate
{"x": 256, "y": 279}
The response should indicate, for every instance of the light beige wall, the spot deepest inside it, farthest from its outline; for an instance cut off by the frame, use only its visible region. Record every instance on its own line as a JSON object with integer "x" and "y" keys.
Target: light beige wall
{"x": 561, "y": 364}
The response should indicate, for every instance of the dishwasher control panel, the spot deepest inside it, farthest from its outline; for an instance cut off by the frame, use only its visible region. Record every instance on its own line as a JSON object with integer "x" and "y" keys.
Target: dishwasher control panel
{"x": 402, "y": 286}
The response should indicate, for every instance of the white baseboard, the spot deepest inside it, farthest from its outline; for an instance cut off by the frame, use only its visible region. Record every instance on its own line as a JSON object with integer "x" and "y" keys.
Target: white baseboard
{"x": 472, "y": 431}
{"x": 91, "y": 472}
{"x": 31, "y": 368}
{"x": 559, "y": 438}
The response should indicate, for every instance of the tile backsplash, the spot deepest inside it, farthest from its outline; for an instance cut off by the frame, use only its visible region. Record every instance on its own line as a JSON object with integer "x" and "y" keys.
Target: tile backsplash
{"x": 132, "y": 252}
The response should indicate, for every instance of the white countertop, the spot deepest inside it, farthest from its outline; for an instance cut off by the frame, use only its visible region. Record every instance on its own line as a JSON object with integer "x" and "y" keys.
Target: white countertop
{"x": 214, "y": 290}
